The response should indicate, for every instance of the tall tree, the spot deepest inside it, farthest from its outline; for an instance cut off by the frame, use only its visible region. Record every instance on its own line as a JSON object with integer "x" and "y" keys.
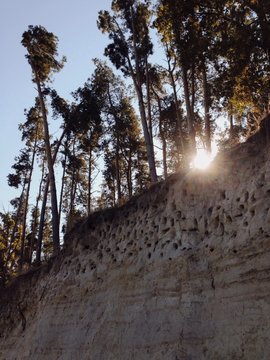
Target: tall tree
{"x": 128, "y": 28}
{"x": 175, "y": 24}
{"x": 41, "y": 46}
{"x": 122, "y": 134}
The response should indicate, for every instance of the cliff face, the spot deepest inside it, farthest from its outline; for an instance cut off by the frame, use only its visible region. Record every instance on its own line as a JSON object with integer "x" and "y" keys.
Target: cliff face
{"x": 181, "y": 272}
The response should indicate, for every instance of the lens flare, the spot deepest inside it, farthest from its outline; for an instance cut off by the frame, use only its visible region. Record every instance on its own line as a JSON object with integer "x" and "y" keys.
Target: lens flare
{"x": 202, "y": 160}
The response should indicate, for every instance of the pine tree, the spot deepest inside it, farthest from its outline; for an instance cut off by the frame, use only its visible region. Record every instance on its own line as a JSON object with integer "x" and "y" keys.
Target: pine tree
{"x": 128, "y": 28}
{"x": 41, "y": 46}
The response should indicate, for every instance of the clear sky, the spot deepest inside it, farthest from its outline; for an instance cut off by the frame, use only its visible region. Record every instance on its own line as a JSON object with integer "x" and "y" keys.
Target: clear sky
{"x": 74, "y": 22}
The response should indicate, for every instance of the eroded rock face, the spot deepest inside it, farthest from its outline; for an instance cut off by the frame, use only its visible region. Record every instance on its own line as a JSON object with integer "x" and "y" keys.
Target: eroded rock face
{"x": 181, "y": 272}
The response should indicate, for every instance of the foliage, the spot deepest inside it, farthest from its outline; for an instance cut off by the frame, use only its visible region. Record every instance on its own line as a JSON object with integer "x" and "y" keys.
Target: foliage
{"x": 216, "y": 63}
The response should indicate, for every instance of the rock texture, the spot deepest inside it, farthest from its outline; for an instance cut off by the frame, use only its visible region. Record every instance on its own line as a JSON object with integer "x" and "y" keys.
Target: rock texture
{"x": 180, "y": 273}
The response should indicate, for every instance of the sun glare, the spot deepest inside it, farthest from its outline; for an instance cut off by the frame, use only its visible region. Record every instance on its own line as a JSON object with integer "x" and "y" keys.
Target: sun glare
{"x": 202, "y": 160}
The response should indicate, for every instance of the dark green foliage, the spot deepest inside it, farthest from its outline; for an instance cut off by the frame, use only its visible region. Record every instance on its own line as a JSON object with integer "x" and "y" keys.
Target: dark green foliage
{"x": 41, "y": 46}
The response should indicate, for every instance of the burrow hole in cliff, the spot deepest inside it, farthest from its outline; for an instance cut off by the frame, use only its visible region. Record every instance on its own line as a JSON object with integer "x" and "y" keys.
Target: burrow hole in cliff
{"x": 241, "y": 207}
{"x": 223, "y": 195}
{"x": 216, "y": 222}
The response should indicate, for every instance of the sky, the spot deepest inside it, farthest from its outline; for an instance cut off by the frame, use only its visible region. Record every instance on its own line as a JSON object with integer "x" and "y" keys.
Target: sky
{"x": 74, "y": 23}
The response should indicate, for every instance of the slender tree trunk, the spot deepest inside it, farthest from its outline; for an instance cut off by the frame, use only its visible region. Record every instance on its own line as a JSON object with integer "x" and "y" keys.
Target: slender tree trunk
{"x": 192, "y": 87}
{"x": 114, "y": 193}
{"x": 180, "y": 144}
{"x": 72, "y": 193}
{"x": 147, "y": 138}
{"x": 29, "y": 180}
{"x": 89, "y": 192}
{"x": 12, "y": 238}
{"x": 231, "y": 126}
{"x": 190, "y": 117}
{"x": 117, "y": 162}
{"x": 117, "y": 150}
{"x": 150, "y": 123}
{"x": 206, "y": 102}
{"x": 129, "y": 175}
{"x": 62, "y": 185}
{"x": 163, "y": 141}
{"x": 42, "y": 221}
{"x": 44, "y": 203}
{"x": 36, "y": 213}
{"x": 55, "y": 217}
{"x": 72, "y": 187}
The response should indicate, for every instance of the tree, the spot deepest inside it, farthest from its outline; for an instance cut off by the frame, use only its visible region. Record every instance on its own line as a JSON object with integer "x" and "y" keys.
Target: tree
{"x": 88, "y": 129}
{"x": 128, "y": 28}
{"x": 175, "y": 23}
{"x": 9, "y": 247}
{"x": 122, "y": 137}
{"x": 41, "y": 46}
{"x": 242, "y": 59}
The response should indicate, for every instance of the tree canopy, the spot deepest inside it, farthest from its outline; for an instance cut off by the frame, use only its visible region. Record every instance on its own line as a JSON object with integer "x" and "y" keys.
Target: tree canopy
{"x": 179, "y": 68}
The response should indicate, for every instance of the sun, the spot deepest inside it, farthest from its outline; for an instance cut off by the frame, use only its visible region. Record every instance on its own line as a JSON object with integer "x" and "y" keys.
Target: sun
{"x": 202, "y": 160}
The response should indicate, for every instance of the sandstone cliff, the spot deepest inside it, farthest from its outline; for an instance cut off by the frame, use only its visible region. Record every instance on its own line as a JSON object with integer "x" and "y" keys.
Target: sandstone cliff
{"x": 181, "y": 272}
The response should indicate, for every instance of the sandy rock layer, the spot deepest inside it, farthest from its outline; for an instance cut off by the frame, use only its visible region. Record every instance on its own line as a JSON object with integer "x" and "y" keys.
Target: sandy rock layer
{"x": 179, "y": 273}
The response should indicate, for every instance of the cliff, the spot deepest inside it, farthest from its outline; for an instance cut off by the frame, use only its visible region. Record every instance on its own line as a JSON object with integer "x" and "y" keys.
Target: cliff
{"x": 179, "y": 273}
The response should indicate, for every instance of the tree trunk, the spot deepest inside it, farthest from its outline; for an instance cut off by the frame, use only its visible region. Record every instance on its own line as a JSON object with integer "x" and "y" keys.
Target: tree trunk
{"x": 62, "y": 184}
{"x": 117, "y": 150}
{"x": 192, "y": 87}
{"x": 180, "y": 144}
{"x": 44, "y": 203}
{"x": 206, "y": 102}
{"x": 55, "y": 217}
{"x": 42, "y": 222}
{"x": 35, "y": 215}
{"x": 89, "y": 192}
{"x": 231, "y": 126}
{"x": 164, "y": 143}
{"x": 147, "y": 138}
{"x": 12, "y": 238}
{"x": 129, "y": 175}
{"x": 150, "y": 123}
{"x": 117, "y": 163}
{"x": 190, "y": 116}
{"x": 72, "y": 187}
{"x": 26, "y": 203}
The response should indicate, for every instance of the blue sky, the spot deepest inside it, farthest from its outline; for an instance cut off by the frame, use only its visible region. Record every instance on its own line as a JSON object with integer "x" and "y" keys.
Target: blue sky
{"x": 74, "y": 22}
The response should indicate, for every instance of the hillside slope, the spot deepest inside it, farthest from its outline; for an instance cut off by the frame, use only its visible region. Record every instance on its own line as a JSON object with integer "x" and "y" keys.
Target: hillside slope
{"x": 179, "y": 273}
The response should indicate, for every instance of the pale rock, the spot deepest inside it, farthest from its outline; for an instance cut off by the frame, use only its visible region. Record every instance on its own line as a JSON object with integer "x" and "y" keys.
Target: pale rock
{"x": 180, "y": 273}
